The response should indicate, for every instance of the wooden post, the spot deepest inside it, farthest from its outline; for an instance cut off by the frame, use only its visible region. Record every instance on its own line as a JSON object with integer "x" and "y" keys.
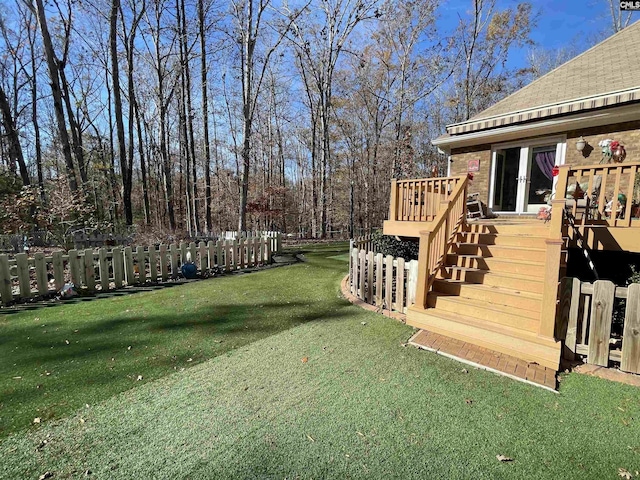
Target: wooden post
{"x": 153, "y": 264}
{"x": 211, "y": 254}
{"x": 130, "y": 275}
{"x": 204, "y": 258}
{"x": 103, "y": 263}
{"x": 142, "y": 269}
{"x": 234, "y": 261}
{"x": 58, "y": 270}
{"x": 422, "y": 284}
{"x": 89, "y": 270}
{"x": 227, "y": 255}
{"x": 400, "y": 285}
{"x": 74, "y": 268}
{"x": 41, "y": 273}
{"x": 183, "y": 253}
{"x": 361, "y": 274}
{"x": 572, "y": 290}
{"x": 379, "y": 276}
{"x": 630, "y": 361}
{"x": 219, "y": 261}
{"x": 353, "y": 255}
{"x": 600, "y": 323}
{"x": 117, "y": 260}
{"x": 6, "y": 294}
{"x": 173, "y": 257}
{"x": 412, "y": 283}
{"x": 393, "y": 205}
{"x": 22, "y": 265}
{"x": 370, "y": 266}
{"x": 268, "y": 245}
{"x": 194, "y": 254}
{"x": 388, "y": 287}
{"x": 164, "y": 263}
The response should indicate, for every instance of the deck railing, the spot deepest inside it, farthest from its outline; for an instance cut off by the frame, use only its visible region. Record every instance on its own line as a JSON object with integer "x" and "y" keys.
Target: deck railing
{"x": 436, "y": 240}
{"x": 420, "y": 200}
{"x": 599, "y": 194}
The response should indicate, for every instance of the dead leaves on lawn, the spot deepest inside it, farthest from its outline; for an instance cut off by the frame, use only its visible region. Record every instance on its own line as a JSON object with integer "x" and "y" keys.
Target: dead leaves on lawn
{"x": 503, "y": 458}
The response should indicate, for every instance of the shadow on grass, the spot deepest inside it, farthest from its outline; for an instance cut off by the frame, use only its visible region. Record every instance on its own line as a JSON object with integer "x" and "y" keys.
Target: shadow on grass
{"x": 44, "y": 376}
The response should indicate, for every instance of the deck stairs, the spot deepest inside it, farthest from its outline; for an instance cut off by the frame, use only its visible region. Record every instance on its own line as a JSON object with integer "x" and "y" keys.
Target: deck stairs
{"x": 489, "y": 291}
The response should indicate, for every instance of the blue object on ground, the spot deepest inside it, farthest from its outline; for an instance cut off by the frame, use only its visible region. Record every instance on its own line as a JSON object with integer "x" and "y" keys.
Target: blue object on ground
{"x": 189, "y": 270}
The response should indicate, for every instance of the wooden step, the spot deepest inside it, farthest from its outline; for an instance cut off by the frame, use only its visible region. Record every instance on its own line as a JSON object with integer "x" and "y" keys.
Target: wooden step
{"x": 523, "y": 240}
{"x": 512, "y": 228}
{"x": 518, "y": 342}
{"x": 525, "y": 282}
{"x": 519, "y": 299}
{"x": 502, "y": 251}
{"x": 502, "y": 265}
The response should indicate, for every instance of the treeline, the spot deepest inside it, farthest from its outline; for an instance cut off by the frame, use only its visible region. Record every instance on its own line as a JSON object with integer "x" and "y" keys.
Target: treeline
{"x": 195, "y": 116}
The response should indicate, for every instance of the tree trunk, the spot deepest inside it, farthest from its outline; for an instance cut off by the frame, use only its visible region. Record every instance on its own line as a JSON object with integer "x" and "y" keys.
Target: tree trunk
{"x": 15, "y": 150}
{"x": 57, "y": 96}
{"x": 117, "y": 98}
{"x": 205, "y": 116}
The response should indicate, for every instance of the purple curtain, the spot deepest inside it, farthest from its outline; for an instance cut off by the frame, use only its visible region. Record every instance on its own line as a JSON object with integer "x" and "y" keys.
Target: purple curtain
{"x": 546, "y": 161}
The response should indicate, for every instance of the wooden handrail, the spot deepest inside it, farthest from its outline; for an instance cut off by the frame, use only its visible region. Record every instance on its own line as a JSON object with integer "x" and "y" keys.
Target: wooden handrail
{"x": 419, "y": 200}
{"x": 608, "y": 191}
{"x": 435, "y": 242}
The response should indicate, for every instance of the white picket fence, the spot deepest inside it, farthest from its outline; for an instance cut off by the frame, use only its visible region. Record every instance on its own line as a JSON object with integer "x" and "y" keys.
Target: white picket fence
{"x": 384, "y": 281}
{"x": 24, "y": 277}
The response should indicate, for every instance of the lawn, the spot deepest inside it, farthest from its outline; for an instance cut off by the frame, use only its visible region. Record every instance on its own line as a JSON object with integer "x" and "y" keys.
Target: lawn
{"x": 286, "y": 380}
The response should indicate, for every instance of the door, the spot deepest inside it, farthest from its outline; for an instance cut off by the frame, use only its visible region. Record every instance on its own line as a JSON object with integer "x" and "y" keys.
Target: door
{"x": 522, "y": 178}
{"x": 506, "y": 180}
{"x": 539, "y": 177}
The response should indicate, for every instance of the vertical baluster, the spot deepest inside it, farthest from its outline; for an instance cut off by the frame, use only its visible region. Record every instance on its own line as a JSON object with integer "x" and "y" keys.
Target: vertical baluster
{"x": 627, "y": 209}
{"x": 602, "y": 198}
{"x": 614, "y": 203}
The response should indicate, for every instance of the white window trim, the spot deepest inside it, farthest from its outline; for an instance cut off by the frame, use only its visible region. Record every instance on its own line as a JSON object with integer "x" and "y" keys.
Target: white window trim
{"x": 525, "y": 146}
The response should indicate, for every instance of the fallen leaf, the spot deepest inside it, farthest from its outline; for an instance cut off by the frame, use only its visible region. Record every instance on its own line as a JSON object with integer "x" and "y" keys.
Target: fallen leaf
{"x": 621, "y": 409}
{"x": 305, "y": 359}
{"x": 87, "y": 472}
{"x": 129, "y": 347}
{"x": 404, "y": 344}
{"x": 360, "y": 433}
{"x": 45, "y": 475}
{"x": 37, "y": 420}
{"x": 189, "y": 359}
{"x": 42, "y": 444}
{"x": 310, "y": 438}
{"x": 468, "y": 401}
{"x": 139, "y": 378}
{"x": 502, "y": 458}
{"x": 464, "y": 370}
{"x": 624, "y": 473}
{"x": 67, "y": 342}
{"x": 363, "y": 323}
{"x": 17, "y": 378}
{"x": 82, "y": 420}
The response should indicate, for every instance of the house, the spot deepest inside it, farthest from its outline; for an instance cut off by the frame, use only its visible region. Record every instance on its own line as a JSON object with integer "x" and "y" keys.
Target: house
{"x": 494, "y": 283}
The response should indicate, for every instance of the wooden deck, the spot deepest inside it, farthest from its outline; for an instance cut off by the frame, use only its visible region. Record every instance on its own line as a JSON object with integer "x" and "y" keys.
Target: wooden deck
{"x": 487, "y": 359}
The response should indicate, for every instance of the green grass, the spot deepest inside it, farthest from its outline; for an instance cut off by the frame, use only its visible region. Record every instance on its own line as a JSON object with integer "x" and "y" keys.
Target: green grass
{"x": 361, "y": 406}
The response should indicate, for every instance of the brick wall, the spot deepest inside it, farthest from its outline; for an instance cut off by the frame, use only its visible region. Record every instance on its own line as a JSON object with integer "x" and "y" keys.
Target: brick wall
{"x": 461, "y": 157}
{"x": 627, "y": 133}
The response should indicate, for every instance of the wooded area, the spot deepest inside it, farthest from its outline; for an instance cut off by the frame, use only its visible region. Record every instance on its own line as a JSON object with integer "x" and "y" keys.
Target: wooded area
{"x": 195, "y": 116}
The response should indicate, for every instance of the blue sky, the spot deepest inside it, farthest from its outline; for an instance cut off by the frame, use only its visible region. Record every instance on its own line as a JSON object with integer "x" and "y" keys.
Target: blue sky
{"x": 559, "y": 23}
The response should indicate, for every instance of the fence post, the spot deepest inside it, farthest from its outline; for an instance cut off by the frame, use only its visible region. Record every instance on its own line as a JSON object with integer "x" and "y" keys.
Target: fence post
{"x": 173, "y": 257}
{"x": 362, "y": 256}
{"x": 74, "y": 268}
{"x": 153, "y": 264}
{"x": 379, "y": 279}
{"x": 128, "y": 266}
{"x": 412, "y": 283}
{"x": 388, "y": 298}
{"x": 204, "y": 258}
{"x": 570, "y": 288}
{"x": 278, "y": 242}
{"x": 219, "y": 261}
{"x": 370, "y": 267}
{"x": 424, "y": 274}
{"x": 600, "y": 324}
{"x": 353, "y": 272}
{"x": 89, "y": 270}
{"x": 400, "y": 285}
{"x": 41, "y": 273}
{"x": 6, "y": 293}
{"x": 164, "y": 263}
{"x": 234, "y": 261}
{"x": 142, "y": 269}
{"x": 58, "y": 270}
{"x": 630, "y": 361}
{"x": 22, "y": 264}
{"x": 117, "y": 260}
{"x": 104, "y": 269}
